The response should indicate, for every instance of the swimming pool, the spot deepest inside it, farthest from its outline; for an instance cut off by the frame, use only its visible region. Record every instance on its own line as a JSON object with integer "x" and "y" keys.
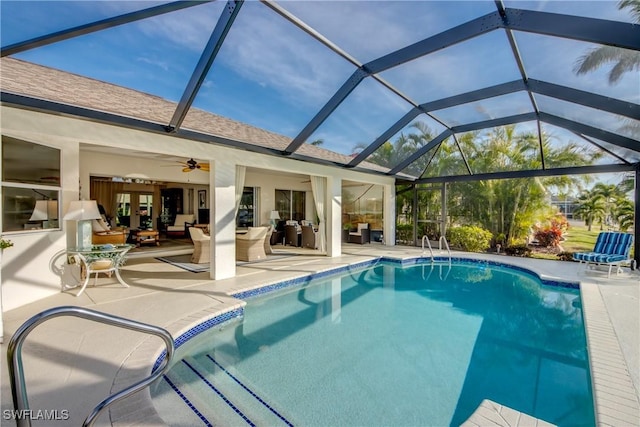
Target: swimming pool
{"x": 390, "y": 344}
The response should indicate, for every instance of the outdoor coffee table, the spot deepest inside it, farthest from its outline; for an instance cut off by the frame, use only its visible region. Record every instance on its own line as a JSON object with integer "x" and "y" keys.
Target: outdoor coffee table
{"x": 146, "y": 237}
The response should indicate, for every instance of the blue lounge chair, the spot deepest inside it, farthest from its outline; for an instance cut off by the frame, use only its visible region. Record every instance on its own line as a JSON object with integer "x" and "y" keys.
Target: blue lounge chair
{"x": 612, "y": 249}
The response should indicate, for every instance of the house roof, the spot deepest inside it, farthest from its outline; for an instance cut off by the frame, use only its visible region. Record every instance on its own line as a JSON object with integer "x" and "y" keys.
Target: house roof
{"x": 292, "y": 73}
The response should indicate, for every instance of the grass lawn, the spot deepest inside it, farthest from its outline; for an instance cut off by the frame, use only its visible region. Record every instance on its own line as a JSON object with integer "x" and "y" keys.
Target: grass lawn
{"x": 578, "y": 239}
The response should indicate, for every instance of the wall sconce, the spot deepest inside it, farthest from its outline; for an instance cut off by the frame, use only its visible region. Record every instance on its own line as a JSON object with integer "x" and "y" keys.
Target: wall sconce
{"x": 83, "y": 211}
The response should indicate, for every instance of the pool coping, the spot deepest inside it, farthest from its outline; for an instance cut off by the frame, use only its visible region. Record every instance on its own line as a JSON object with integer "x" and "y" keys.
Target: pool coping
{"x": 614, "y": 394}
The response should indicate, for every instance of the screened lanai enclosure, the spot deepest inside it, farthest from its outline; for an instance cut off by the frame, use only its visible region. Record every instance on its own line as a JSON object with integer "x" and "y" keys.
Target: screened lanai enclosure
{"x": 445, "y": 96}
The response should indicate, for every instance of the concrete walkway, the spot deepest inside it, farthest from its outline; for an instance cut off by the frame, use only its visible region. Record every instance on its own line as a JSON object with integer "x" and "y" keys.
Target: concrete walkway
{"x": 72, "y": 364}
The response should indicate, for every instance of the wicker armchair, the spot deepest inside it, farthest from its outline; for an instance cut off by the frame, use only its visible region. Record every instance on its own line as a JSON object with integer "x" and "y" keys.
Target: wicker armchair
{"x": 250, "y": 246}
{"x": 362, "y": 235}
{"x": 201, "y": 246}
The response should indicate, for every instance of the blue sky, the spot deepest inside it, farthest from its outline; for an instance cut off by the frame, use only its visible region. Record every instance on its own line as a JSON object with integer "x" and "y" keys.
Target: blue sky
{"x": 274, "y": 76}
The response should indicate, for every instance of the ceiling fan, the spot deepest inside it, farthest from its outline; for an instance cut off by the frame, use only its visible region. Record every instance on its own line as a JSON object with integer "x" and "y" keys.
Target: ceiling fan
{"x": 191, "y": 165}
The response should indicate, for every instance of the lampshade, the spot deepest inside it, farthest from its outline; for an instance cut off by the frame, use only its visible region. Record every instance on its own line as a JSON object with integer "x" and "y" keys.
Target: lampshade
{"x": 80, "y": 210}
{"x": 45, "y": 210}
{"x": 274, "y": 215}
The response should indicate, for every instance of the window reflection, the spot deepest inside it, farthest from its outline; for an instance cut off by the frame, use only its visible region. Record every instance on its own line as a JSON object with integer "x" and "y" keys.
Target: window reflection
{"x": 30, "y": 186}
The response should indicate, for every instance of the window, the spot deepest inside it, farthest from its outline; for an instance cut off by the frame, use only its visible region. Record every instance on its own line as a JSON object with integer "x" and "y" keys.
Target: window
{"x": 30, "y": 186}
{"x": 248, "y": 209}
{"x": 290, "y": 204}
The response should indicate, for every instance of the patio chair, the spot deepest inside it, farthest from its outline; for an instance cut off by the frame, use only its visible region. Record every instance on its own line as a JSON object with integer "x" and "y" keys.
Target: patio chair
{"x": 308, "y": 237}
{"x": 362, "y": 234}
{"x": 611, "y": 248}
{"x": 201, "y": 248}
{"x": 250, "y": 246}
{"x": 291, "y": 235}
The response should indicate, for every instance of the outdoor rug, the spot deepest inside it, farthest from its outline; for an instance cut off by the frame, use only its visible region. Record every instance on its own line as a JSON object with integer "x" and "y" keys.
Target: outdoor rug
{"x": 184, "y": 261}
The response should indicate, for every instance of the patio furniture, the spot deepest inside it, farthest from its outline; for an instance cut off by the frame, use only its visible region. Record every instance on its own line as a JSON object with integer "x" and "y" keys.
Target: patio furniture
{"x": 145, "y": 237}
{"x": 114, "y": 237}
{"x": 308, "y": 237}
{"x": 201, "y": 246}
{"x": 180, "y": 225}
{"x": 362, "y": 234}
{"x": 250, "y": 245}
{"x": 99, "y": 259}
{"x": 267, "y": 239}
{"x": 291, "y": 235}
{"x": 611, "y": 248}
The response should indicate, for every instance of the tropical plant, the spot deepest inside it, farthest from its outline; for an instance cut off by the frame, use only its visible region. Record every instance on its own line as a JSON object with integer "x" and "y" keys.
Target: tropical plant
{"x": 624, "y": 60}
{"x": 591, "y": 207}
{"x": 624, "y": 214}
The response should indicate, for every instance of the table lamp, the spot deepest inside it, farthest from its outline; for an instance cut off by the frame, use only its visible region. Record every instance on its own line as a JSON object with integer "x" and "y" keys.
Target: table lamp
{"x": 83, "y": 211}
{"x": 273, "y": 216}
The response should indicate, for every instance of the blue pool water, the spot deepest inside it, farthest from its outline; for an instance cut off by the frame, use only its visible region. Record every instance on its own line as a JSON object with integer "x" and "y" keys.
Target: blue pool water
{"x": 421, "y": 345}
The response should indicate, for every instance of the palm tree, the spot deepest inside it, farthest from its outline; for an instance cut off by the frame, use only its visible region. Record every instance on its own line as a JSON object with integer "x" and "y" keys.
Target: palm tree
{"x": 611, "y": 195}
{"x": 624, "y": 214}
{"x": 624, "y": 60}
{"x": 591, "y": 207}
{"x": 317, "y": 142}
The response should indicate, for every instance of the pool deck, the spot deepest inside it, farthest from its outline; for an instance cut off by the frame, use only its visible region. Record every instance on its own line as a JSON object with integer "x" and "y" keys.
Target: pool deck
{"x": 72, "y": 364}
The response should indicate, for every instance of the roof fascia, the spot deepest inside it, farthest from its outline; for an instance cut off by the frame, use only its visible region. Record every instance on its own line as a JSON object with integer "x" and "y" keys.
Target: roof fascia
{"x": 55, "y": 108}
{"x": 97, "y": 26}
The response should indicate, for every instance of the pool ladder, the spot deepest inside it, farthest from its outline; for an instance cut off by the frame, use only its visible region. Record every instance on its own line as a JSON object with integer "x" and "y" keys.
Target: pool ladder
{"x": 442, "y": 240}
{"x": 16, "y": 372}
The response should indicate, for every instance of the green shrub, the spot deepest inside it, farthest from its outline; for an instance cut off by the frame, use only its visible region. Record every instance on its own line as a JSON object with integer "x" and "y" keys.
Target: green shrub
{"x": 518, "y": 250}
{"x": 565, "y": 256}
{"x": 469, "y": 238}
{"x": 404, "y": 233}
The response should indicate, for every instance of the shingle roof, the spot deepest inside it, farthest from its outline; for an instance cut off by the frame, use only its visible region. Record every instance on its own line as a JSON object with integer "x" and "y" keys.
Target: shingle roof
{"x": 25, "y": 78}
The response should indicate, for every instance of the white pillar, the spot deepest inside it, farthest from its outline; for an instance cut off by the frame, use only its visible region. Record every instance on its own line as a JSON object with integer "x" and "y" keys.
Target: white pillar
{"x": 334, "y": 216}
{"x": 389, "y": 215}
{"x": 222, "y": 179}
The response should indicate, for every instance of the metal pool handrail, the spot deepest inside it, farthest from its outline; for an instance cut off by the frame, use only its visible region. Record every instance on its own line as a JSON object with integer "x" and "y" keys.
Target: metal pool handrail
{"x": 442, "y": 239}
{"x": 446, "y": 244}
{"x": 425, "y": 237}
{"x": 16, "y": 372}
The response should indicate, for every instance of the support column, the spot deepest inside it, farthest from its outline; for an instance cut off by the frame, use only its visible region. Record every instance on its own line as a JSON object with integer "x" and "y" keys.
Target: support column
{"x": 443, "y": 209}
{"x": 222, "y": 179}
{"x": 389, "y": 215}
{"x": 334, "y": 216}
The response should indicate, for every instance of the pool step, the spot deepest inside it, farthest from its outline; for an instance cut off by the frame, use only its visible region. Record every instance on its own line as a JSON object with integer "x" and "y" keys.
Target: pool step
{"x": 239, "y": 392}
{"x": 217, "y": 395}
{"x": 204, "y": 404}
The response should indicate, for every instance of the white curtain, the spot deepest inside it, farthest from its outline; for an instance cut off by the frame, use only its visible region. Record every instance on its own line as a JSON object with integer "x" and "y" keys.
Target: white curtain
{"x": 318, "y": 188}
{"x": 240, "y": 173}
